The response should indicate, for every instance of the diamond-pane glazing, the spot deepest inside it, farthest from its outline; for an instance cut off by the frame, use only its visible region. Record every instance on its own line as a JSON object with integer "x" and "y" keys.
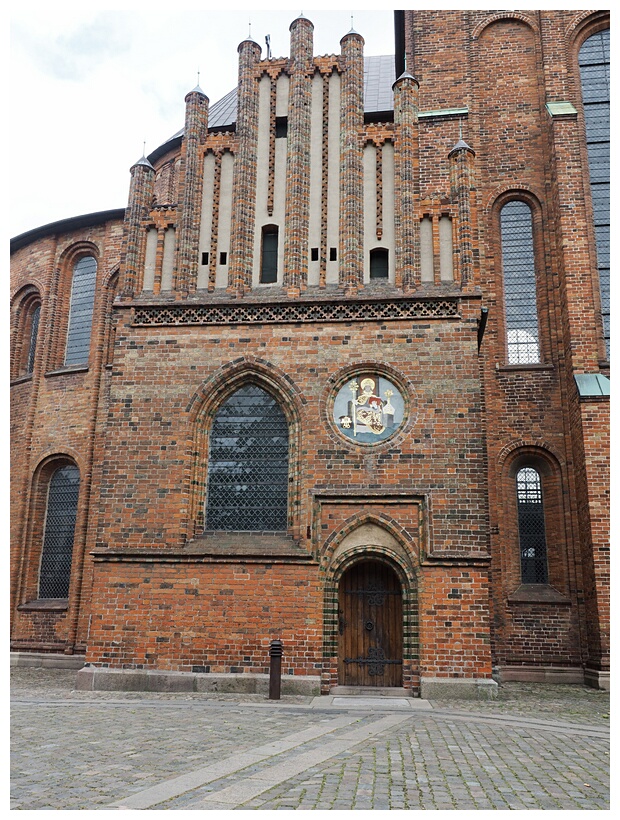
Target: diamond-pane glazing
{"x": 34, "y": 330}
{"x": 594, "y": 64}
{"x": 248, "y": 464}
{"x": 519, "y": 283}
{"x": 531, "y": 516}
{"x": 62, "y": 499}
{"x": 81, "y": 313}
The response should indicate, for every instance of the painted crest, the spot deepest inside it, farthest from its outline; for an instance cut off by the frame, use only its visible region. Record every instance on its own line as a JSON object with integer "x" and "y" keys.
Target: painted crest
{"x": 368, "y": 409}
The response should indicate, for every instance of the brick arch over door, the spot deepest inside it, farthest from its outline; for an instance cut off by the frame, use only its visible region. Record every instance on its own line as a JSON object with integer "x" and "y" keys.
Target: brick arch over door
{"x": 394, "y": 554}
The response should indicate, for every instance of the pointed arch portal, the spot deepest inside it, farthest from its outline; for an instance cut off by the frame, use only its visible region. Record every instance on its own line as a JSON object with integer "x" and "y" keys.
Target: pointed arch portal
{"x": 370, "y": 626}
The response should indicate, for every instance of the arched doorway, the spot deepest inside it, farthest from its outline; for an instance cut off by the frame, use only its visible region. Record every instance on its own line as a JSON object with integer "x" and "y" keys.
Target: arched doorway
{"x": 370, "y": 626}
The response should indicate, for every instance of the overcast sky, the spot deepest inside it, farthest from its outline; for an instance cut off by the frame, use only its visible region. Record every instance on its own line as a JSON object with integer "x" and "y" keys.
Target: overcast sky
{"x": 90, "y": 84}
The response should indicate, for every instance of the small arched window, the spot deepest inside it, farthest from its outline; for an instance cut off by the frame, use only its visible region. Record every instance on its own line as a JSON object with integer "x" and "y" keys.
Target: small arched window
{"x": 26, "y": 334}
{"x": 379, "y": 263}
{"x": 81, "y": 311}
{"x": 519, "y": 273}
{"x": 33, "y": 332}
{"x": 594, "y": 69}
{"x": 248, "y": 464}
{"x": 269, "y": 255}
{"x": 531, "y": 522}
{"x": 60, "y": 516}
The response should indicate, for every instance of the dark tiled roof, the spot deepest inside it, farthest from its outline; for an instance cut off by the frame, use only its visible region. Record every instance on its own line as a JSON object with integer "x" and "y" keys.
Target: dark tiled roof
{"x": 379, "y": 76}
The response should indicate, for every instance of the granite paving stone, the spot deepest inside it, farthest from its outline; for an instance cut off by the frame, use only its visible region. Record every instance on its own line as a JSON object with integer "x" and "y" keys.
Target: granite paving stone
{"x": 538, "y": 746}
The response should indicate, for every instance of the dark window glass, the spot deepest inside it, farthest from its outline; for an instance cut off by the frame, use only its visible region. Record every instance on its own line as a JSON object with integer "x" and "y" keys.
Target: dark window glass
{"x": 333, "y": 255}
{"x": 34, "y": 330}
{"x": 531, "y": 517}
{"x": 314, "y": 254}
{"x": 81, "y": 312}
{"x": 62, "y": 499}
{"x": 248, "y": 464}
{"x": 379, "y": 259}
{"x": 222, "y": 257}
{"x": 205, "y": 258}
{"x": 519, "y": 283}
{"x": 281, "y": 127}
{"x": 594, "y": 68}
{"x": 269, "y": 258}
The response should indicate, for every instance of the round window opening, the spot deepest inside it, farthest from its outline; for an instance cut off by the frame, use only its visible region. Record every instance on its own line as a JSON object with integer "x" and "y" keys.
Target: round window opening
{"x": 368, "y": 409}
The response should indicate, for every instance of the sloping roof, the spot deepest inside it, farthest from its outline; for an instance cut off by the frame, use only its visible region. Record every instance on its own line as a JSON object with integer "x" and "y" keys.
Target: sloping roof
{"x": 379, "y": 76}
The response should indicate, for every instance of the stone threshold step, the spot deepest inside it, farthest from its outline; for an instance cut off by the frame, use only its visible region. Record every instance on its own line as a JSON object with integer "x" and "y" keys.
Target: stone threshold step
{"x": 372, "y": 691}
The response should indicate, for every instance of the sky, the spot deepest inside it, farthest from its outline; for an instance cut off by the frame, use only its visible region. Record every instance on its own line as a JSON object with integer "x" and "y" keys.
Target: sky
{"x": 91, "y": 84}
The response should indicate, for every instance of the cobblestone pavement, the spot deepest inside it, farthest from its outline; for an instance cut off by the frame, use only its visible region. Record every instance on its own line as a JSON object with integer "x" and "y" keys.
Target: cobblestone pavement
{"x": 536, "y": 747}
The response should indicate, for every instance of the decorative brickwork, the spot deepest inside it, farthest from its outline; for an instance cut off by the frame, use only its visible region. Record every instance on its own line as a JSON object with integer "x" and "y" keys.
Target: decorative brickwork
{"x": 300, "y": 312}
{"x": 462, "y": 189}
{"x": 407, "y": 182}
{"x": 139, "y": 205}
{"x": 297, "y": 169}
{"x": 196, "y": 129}
{"x": 244, "y": 178}
{"x": 217, "y": 186}
{"x": 351, "y": 165}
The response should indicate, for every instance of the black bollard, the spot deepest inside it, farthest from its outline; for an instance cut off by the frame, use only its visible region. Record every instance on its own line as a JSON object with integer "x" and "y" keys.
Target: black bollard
{"x": 275, "y": 669}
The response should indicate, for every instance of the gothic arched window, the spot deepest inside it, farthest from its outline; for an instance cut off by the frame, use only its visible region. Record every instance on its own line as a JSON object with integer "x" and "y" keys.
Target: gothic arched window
{"x": 81, "y": 311}
{"x": 531, "y": 519}
{"x": 519, "y": 283}
{"x": 247, "y": 487}
{"x": 61, "y": 512}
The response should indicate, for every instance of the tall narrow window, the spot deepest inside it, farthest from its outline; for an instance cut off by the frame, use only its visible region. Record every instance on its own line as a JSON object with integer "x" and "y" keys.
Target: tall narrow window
{"x": 248, "y": 464}
{"x": 62, "y": 499}
{"x": 519, "y": 283}
{"x": 269, "y": 256}
{"x": 379, "y": 263}
{"x": 32, "y": 341}
{"x": 531, "y": 517}
{"x": 81, "y": 311}
{"x": 594, "y": 69}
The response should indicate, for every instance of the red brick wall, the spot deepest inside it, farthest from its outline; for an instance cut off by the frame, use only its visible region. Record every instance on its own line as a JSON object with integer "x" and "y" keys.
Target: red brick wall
{"x": 220, "y": 617}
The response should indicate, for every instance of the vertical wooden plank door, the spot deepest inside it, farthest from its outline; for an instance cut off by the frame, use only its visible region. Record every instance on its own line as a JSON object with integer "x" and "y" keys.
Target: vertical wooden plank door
{"x": 370, "y": 616}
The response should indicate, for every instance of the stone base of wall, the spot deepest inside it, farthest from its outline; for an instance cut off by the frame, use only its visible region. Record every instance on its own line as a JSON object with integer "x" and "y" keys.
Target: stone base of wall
{"x": 137, "y": 680}
{"x": 540, "y": 674}
{"x": 47, "y": 660}
{"x": 461, "y": 688}
{"x": 596, "y": 679}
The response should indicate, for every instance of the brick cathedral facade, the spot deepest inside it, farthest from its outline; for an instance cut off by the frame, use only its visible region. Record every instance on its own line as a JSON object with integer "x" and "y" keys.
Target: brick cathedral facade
{"x": 336, "y": 376}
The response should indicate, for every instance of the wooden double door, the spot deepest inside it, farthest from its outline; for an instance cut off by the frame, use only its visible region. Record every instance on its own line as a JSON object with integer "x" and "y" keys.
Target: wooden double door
{"x": 370, "y": 626}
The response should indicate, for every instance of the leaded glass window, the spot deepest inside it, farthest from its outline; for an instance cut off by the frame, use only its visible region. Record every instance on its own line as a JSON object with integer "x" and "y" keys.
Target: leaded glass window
{"x": 62, "y": 499}
{"x": 594, "y": 69}
{"x": 531, "y": 518}
{"x": 519, "y": 283}
{"x": 248, "y": 464}
{"x": 81, "y": 312}
{"x": 34, "y": 330}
